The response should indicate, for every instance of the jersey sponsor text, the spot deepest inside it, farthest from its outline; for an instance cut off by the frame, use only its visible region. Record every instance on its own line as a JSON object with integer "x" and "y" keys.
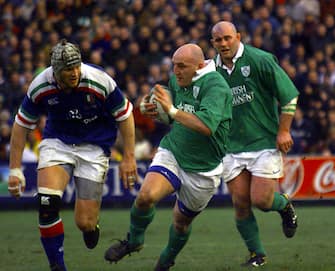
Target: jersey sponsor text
{"x": 241, "y": 95}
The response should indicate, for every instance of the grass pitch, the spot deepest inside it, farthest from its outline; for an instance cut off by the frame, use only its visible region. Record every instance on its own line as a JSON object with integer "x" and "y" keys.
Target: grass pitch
{"x": 214, "y": 244}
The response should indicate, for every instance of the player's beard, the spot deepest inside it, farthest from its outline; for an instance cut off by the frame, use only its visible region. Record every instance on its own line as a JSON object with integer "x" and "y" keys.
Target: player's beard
{"x": 72, "y": 82}
{"x": 67, "y": 84}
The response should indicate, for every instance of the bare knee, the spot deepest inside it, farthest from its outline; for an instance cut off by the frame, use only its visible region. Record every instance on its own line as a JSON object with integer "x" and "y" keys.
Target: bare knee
{"x": 181, "y": 222}
{"x": 262, "y": 202}
{"x": 181, "y": 227}
{"x": 242, "y": 212}
{"x": 242, "y": 206}
{"x": 145, "y": 199}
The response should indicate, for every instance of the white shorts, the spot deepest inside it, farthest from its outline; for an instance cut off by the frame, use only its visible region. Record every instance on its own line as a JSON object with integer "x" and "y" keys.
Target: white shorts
{"x": 89, "y": 161}
{"x": 194, "y": 190}
{"x": 266, "y": 163}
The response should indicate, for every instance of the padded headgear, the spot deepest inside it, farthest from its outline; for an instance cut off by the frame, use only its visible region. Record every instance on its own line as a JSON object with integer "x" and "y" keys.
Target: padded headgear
{"x": 64, "y": 55}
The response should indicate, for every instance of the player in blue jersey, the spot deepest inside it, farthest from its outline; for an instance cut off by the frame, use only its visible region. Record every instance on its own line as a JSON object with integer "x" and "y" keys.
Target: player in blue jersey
{"x": 258, "y": 135}
{"x": 85, "y": 108}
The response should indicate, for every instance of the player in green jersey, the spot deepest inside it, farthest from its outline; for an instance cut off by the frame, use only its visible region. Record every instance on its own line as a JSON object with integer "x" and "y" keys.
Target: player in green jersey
{"x": 258, "y": 136}
{"x": 189, "y": 158}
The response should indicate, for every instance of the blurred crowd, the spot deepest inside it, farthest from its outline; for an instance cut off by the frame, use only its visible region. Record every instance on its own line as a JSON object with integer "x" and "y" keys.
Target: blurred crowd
{"x": 133, "y": 41}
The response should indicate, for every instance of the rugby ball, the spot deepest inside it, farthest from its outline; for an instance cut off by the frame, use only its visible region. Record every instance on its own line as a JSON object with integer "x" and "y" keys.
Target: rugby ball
{"x": 162, "y": 115}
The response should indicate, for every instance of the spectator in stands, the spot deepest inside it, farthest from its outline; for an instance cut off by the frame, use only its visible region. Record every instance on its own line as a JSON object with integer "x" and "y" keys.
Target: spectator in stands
{"x": 30, "y": 152}
{"x": 5, "y": 132}
{"x": 240, "y": 19}
{"x": 97, "y": 59}
{"x": 83, "y": 105}
{"x": 136, "y": 62}
{"x": 263, "y": 15}
{"x": 329, "y": 22}
{"x": 303, "y": 133}
{"x": 143, "y": 148}
{"x": 285, "y": 47}
{"x": 319, "y": 40}
{"x": 154, "y": 74}
{"x": 12, "y": 91}
{"x": 331, "y": 71}
{"x": 153, "y": 54}
{"x": 330, "y": 143}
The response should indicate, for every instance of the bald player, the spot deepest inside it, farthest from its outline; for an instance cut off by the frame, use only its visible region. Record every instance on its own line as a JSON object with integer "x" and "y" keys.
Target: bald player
{"x": 188, "y": 160}
{"x": 259, "y": 135}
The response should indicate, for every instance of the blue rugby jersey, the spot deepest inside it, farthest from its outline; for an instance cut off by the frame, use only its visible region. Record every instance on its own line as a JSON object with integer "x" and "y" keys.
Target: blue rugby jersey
{"x": 89, "y": 114}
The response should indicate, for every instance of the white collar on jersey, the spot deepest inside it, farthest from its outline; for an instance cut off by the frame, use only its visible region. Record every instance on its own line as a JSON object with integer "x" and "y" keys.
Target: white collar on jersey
{"x": 209, "y": 67}
{"x": 235, "y": 58}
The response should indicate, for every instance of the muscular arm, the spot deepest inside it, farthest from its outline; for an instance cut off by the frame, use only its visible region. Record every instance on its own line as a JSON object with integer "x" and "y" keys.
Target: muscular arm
{"x": 128, "y": 164}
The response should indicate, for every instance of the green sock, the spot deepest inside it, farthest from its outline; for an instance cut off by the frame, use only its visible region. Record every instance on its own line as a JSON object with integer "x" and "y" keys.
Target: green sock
{"x": 279, "y": 202}
{"x": 139, "y": 221}
{"x": 248, "y": 229}
{"x": 175, "y": 244}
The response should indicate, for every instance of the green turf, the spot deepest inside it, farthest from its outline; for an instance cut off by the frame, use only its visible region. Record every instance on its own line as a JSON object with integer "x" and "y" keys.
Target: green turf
{"x": 214, "y": 244}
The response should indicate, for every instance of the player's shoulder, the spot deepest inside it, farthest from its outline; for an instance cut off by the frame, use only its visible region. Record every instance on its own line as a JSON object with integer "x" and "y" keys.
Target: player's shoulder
{"x": 89, "y": 70}
{"x": 45, "y": 76}
{"x": 215, "y": 79}
{"x": 209, "y": 72}
{"x": 257, "y": 55}
{"x": 213, "y": 75}
{"x": 41, "y": 82}
{"x": 95, "y": 76}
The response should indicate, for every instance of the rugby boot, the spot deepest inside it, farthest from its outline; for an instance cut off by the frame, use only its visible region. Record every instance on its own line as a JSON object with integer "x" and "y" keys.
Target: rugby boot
{"x": 91, "y": 238}
{"x": 255, "y": 260}
{"x": 289, "y": 219}
{"x": 117, "y": 251}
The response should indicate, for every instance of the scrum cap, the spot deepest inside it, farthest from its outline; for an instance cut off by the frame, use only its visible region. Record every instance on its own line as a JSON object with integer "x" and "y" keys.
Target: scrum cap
{"x": 63, "y": 55}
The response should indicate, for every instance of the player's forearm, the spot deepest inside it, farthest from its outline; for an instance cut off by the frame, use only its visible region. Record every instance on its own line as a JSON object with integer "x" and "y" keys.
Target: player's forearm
{"x": 285, "y": 122}
{"x": 191, "y": 121}
{"x": 17, "y": 144}
{"x": 127, "y": 130}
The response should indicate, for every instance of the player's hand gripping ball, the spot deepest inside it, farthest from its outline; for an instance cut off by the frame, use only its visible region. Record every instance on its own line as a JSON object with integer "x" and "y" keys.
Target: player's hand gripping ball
{"x": 162, "y": 115}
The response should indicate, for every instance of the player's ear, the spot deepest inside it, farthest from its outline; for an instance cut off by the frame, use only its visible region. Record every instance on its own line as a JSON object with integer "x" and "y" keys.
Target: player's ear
{"x": 238, "y": 36}
{"x": 201, "y": 65}
{"x": 211, "y": 40}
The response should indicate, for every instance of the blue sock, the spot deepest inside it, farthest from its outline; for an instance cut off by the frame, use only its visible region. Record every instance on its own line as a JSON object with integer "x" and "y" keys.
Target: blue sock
{"x": 53, "y": 247}
{"x": 52, "y": 238}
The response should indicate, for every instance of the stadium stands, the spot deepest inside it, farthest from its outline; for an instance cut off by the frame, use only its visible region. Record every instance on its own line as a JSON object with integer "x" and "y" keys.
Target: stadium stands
{"x": 133, "y": 41}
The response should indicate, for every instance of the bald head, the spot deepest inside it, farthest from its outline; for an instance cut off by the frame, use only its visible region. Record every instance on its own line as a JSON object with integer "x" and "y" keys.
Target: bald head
{"x": 191, "y": 53}
{"x": 224, "y": 26}
{"x": 187, "y": 59}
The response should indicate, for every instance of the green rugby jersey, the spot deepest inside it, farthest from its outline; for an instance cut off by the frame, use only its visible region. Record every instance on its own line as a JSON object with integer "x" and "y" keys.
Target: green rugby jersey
{"x": 210, "y": 99}
{"x": 259, "y": 85}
